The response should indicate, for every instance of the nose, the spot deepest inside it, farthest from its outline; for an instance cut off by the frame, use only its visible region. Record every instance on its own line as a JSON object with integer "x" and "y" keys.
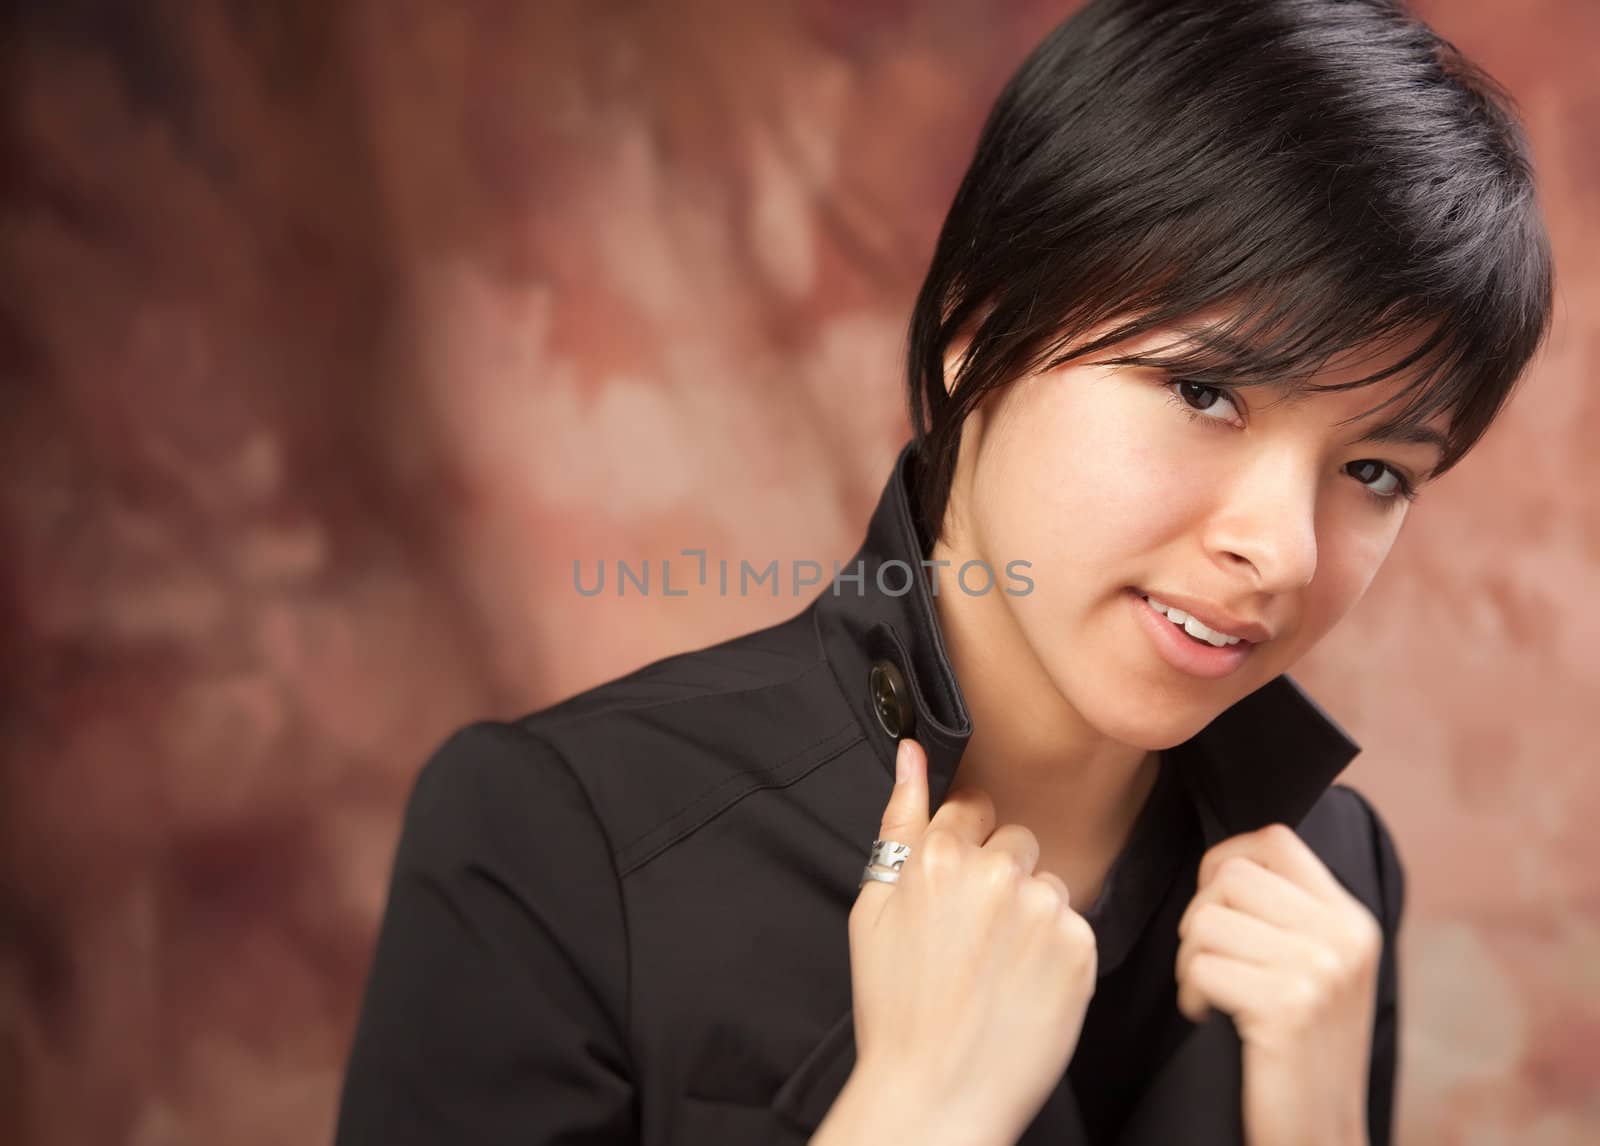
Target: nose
{"x": 1266, "y": 527}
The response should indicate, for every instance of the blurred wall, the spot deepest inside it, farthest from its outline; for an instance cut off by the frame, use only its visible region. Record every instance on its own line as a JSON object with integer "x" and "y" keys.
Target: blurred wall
{"x": 331, "y": 335}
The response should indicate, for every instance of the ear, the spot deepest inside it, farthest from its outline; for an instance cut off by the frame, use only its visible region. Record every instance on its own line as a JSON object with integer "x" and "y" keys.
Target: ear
{"x": 952, "y": 359}
{"x": 961, "y": 341}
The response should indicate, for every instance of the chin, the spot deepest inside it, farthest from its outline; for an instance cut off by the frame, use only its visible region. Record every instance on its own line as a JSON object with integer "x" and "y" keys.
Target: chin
{"x": 1139, "y": 727}
{"x": 1168, "y": 737}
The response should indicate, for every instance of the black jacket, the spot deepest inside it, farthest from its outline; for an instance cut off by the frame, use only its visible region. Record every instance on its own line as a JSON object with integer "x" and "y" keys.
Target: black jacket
{"x": 622, "y": 919}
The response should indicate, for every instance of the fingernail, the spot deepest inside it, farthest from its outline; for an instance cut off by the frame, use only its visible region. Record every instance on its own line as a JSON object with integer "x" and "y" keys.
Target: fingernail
{"x": 902, "y": 762}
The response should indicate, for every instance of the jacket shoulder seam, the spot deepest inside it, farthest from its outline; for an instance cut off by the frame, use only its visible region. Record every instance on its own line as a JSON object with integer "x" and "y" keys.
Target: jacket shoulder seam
{"x": 822, "y": 655}
{"x": 555, "y": 721}
{"x": 673, "y": 829}
{"x": 616, "y": 873}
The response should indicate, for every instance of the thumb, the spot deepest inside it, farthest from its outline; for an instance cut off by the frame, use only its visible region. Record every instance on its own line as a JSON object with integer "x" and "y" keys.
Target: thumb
{"x": 905, "y": 819}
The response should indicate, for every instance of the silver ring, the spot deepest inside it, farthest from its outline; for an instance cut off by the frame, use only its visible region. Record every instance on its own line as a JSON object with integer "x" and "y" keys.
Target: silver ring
{"x": 888, "y": 853}
{"x": 885, "y": 853}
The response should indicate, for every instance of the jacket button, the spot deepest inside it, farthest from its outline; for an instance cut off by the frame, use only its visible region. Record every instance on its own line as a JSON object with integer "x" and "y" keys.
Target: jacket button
{"x": 891, "y": 698}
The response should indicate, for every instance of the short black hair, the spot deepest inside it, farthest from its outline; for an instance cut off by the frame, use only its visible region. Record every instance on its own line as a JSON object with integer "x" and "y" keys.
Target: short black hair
{"x": 1330, "y": 174}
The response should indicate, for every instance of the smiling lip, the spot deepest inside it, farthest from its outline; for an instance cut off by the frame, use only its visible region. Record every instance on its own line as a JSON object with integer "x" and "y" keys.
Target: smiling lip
{"x": 1183, "y": 652}
{"x": 1212, "y": 617}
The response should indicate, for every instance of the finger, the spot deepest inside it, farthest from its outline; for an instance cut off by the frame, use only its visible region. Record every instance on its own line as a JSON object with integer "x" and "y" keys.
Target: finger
{"x": 1252, "y": 889}
{"x": 1277, "y": 848}
{"x": 1019, "y": 842}
{"x": 1229, "y": 985}
{"x": 1058, "y": 883}
{"x": 1222, "y": 930}
{"x": 967, "y": 812}
{"x": 905, "y": 817}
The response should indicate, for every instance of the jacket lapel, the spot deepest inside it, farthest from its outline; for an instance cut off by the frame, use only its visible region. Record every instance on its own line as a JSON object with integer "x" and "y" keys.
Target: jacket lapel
{"x": 1195, "y": 1097}
{"x": 1266, "y": 759}
{"x": 805, "y": 1096}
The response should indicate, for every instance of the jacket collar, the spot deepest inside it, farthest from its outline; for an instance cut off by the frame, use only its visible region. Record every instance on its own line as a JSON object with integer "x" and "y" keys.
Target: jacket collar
{"x": 1267, "y": 758}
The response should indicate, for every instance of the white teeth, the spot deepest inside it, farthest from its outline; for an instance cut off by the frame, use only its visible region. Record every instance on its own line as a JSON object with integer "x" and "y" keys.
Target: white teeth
{"x": 1195, "y": 629}
{"x": 1191, "y": 626}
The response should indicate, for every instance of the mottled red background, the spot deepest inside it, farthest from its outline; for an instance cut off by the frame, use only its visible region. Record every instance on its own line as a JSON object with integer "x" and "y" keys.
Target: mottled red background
{"x": 331, "y": 335}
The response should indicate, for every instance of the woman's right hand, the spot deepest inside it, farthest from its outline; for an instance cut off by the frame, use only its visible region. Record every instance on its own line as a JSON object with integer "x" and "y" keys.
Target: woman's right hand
{"x": 971, "y": 974}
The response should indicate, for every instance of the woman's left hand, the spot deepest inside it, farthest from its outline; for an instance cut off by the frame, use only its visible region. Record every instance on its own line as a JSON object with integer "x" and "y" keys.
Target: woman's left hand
{"x": 1273, "y": 939}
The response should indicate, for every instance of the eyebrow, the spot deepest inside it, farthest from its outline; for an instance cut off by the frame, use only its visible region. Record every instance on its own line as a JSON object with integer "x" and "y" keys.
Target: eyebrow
{"x": 1388, "y": 432}
{"x": 1417, "y": 435}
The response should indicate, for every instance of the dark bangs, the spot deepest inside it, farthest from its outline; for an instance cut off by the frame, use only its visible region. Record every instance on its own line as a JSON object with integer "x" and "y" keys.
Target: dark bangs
{"x": 1314, "y": 177}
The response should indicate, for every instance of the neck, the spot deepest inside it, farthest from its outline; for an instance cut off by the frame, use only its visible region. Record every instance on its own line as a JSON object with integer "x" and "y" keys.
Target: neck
{"x": 1044, "y": 766}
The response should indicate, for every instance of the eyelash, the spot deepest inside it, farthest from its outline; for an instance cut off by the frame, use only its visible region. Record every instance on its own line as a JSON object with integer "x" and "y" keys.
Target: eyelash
{"x": 1405, "y": 490}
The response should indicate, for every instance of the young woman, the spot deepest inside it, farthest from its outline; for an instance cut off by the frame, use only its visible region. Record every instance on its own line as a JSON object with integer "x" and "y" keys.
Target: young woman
{"x": 1018, "y": 831}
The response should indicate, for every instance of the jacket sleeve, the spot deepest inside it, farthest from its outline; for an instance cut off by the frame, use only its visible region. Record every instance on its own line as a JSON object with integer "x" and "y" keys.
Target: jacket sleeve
{"x": 495, "y": 1004}
{"x": 1382, "y": 1082}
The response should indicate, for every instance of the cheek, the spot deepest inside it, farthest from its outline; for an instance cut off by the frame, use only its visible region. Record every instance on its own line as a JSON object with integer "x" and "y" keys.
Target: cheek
{"x": 1115, "y": 482}
{"x": 1350, "y": 553}
{"x": 1159, "y": 490}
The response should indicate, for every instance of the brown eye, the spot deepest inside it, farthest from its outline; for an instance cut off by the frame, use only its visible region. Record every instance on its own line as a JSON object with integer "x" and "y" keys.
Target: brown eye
{"x": 1204, "y": 403}
{"x": 1379, "y": 477}
{"x": 1199, "y": 395}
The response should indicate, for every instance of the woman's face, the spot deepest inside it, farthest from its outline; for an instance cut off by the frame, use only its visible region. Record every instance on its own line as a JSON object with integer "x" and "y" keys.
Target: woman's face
{"x": 1265, "y": 518}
